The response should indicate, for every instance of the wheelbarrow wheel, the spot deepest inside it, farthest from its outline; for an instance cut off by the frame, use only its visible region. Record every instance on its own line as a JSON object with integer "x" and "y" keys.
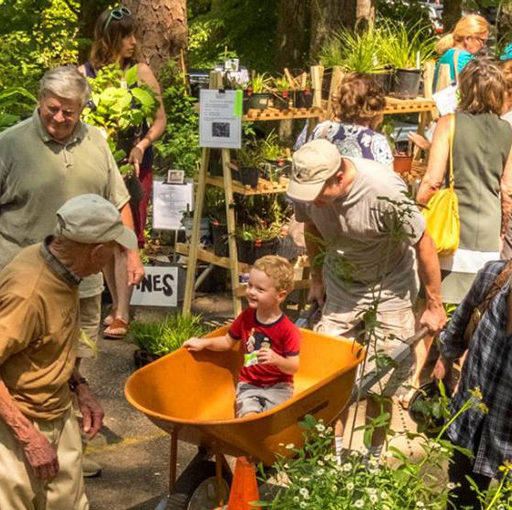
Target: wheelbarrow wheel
{"x": 196, "y": 488}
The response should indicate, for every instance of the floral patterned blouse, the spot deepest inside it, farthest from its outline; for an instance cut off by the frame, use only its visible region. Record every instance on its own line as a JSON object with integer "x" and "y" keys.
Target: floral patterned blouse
{"x": 356, "y": 141}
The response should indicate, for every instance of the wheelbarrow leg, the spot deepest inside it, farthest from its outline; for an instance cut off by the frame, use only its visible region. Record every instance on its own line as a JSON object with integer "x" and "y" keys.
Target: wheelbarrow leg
{"x": 162, "y": 505}
{"x": 220, "y": 463}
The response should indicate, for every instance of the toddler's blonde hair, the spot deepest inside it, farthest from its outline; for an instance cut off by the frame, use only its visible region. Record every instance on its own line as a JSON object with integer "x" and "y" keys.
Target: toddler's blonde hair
{"x": 277, "y": 268}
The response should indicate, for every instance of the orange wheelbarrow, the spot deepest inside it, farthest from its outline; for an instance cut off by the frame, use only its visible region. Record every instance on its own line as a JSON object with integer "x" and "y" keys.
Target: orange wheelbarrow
{"x": 191, "y": 396}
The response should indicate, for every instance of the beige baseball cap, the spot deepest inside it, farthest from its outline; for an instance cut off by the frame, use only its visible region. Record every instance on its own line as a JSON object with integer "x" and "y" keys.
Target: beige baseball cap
{"x": 90, "y": 219}
{"x": 312, "y": 165}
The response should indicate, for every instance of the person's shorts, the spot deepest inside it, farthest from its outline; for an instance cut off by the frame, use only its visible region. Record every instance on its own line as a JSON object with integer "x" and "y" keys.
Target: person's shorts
{"x": 256, "y": 399}
{"x": 90, "y": 317}
{"x": 395, "y": 326}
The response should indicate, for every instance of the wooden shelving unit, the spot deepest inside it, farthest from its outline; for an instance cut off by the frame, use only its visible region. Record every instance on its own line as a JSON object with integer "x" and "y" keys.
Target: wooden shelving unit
{"x": 230, "y": 186}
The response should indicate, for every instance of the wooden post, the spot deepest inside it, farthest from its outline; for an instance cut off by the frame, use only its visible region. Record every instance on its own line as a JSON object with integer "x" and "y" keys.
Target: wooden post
{"x": 230, "y": 220}
{"x": 317, "y": 73}
{"x": 337, "y": 76}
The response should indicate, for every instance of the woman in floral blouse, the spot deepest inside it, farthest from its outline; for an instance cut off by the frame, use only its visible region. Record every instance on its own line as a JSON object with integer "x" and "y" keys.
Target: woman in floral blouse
{"x": 358, "y": 106}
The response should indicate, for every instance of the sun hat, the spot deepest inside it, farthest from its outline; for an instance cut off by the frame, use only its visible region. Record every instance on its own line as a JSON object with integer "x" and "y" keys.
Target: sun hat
{"x": 312, "y": 165}
{"x": 507, "y": 53}
{"x": 90, "y": 219}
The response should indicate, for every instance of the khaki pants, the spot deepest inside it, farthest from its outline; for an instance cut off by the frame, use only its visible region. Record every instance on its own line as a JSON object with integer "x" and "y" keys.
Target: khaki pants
{"x": 20, "y": 490}
{"x": 90, "y": 316}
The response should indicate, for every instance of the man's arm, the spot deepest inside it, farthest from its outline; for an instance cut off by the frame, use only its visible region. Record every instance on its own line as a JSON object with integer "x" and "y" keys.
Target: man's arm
{"x": 92, "y": 413}
{"x": 40, "y": 454}
{"x": 134, "y": 265}
{"x": 314, "y": 247}
{"x": 434, "y": 316}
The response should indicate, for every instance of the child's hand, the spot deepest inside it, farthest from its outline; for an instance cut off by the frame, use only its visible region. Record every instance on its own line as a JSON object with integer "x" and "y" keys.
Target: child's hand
{"x": 194, "y": 344}
{"x": 267, "y": 356}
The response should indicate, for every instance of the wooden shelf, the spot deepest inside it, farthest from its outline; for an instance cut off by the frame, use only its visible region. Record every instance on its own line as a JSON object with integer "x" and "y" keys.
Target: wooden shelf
{"x": 275, "y": 114}
{"x": 420, "y": 104}
{"x": 264, "y": 186}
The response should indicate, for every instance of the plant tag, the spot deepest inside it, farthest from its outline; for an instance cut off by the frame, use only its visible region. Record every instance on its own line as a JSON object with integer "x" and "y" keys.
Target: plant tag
{"x": 238, "y": 105}
{"x": 250, "y": 359}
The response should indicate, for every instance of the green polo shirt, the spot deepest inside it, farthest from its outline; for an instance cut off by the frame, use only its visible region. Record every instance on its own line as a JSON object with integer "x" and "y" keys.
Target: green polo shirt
{"x": 38, "y": 174}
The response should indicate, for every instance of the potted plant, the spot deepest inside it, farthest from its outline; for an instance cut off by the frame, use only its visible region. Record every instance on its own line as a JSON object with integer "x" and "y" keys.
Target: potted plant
{"x": 249, "y": 165}
{"x": 257, "y": 93}
{"x": 358, "y": 52}
{"x": 258, "y": 240}
{"x": 119, "y": 106}
{"x": 158, "y": 338}
{"x": 276, "y": 156}
{"x": 215, "y": 210}
{"x": 281, "y": 93}
{"x": 402, "y": 152}
{"x": 407, "y": 49}
{"x": 303, "y": 95}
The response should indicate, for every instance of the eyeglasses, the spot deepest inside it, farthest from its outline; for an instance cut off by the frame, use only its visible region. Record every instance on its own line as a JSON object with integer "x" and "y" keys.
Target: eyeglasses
{"x": 117, "y": 14}
{"x": 482, "y": 40}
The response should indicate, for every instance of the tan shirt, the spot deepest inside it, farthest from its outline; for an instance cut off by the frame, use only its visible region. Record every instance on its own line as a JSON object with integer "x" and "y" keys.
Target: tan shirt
{"x": 39, "y": 174}
{"x": 39, "y": 325}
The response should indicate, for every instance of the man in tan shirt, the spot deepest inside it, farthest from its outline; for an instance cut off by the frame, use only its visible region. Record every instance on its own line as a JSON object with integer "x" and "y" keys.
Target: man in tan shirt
{"x": 40, "y": 443}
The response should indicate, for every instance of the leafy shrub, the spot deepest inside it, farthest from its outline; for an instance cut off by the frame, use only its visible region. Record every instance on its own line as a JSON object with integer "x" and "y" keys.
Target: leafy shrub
{"x": 165, "y": 336}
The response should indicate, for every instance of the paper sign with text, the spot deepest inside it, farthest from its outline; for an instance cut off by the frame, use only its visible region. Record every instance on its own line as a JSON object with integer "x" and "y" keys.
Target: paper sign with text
{"x": 158, "y": 288}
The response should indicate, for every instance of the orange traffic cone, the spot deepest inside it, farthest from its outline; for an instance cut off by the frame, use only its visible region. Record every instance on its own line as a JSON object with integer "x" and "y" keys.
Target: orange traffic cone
{"x": 244, "y": 488}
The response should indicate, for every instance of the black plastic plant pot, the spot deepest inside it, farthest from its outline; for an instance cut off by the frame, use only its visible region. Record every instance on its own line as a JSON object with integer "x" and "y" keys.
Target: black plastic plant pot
{"x": 281, "y": 101}
{"x": 406, "y": 83}
{"x": 215, "y": 164}
{"x": 383, "y": 80}
{"x": 142, "y": 358}
{"x": 256, "y": 101}
{"x": 249, "y": 176}
{"x": 303, "y": 98}
{"x": 250, "y": 251}
{"x": 220, "y": 238}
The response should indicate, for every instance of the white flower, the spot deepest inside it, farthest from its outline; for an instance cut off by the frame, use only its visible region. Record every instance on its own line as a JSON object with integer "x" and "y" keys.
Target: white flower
{"x": 320, "y": 471}
{"x": 347, "y": 467}
{"x": 302, "y": 504}
{"x": 304, "y": 493}
{"x": 320, "y": 427}
{"x": 296, "y": 499}
{"x": 350, "y": 486}
{"x": 320, "y": 462}
{"x": 290, "y": 446}
{"x": 451, "y": 486}
{"x": 383, "y": 495}
{"x": 359, "y": 503}
{"x": 374, "y": 498}
{"x": 371, "y": 490}
{"x": 420, "y": 504}
{"x": 354, "y": 453}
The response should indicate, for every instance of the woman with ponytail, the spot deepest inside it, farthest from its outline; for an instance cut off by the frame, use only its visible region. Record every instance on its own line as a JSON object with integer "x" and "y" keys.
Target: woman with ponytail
{"x": 459, "y": 47}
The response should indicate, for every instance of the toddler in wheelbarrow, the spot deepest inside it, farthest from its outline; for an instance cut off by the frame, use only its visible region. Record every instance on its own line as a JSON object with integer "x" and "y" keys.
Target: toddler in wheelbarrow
{"x": 270, "y": 340}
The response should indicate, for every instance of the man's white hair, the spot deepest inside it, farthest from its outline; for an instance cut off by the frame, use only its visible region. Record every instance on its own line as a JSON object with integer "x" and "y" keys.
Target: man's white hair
{"x": 65, "y": 82}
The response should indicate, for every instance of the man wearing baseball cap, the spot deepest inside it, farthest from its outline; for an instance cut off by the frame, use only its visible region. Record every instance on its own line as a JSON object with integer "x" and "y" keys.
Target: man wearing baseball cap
{"x": 40, "y": 442}
{"x": 373, "y": 237}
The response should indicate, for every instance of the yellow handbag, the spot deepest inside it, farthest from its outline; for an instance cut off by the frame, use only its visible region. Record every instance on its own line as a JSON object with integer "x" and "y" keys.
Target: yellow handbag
{"x": 442, "y": 211}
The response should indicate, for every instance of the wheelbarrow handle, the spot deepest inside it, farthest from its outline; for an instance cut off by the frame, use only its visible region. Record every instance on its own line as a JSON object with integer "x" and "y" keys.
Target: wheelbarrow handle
{"x": 376, "y": 373}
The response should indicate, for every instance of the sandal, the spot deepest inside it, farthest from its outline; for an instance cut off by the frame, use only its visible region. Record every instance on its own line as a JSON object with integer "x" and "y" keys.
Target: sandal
{"x": 405, "y": 399}
{"x": 109, "y": 319}
{"x": 116, "y": 330}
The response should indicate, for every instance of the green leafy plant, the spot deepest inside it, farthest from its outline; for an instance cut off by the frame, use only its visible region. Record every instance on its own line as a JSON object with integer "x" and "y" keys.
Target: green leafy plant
{"x": 405, "y": 47}
{"x": 249, "y": 156}
{"x": 356, "y": 51}
{"x": 178, "y": 147}
{"x": 260, "y": 83}
{"x": 15, "y": 103}
{"x": 260, "y": 232}
{"x": 281, "y": 84}
{"x": 119, "y": 107}
{"x": 271, "y": 148}
{"x": 165, "y": 336}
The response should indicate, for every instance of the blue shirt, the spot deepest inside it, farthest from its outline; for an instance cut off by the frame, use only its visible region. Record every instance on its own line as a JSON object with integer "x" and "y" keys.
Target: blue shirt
{"x": 449, "y": 57}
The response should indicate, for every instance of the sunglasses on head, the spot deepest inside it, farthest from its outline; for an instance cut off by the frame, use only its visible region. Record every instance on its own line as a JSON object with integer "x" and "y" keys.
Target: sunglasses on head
{"x": 117, "y": 14}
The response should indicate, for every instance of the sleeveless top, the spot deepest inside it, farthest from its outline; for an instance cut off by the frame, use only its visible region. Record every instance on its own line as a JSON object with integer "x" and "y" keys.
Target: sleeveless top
{"x": 481, "y": 146}
{"x": 147, "y": 158}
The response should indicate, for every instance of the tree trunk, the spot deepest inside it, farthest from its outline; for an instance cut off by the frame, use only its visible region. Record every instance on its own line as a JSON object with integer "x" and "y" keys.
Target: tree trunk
{"x": 292, "y": 38}
{"x": 161, "y": 29}
{"x": 452, "y": 12}
{"x": 331, "y": 15}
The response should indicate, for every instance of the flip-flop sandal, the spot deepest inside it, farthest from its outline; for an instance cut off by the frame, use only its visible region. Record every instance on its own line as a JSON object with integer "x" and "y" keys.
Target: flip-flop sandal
{"x": 109, "y": 319}
{"x": 117, "y": 329}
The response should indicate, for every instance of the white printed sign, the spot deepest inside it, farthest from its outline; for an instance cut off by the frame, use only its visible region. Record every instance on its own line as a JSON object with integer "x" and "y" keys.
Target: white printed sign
{"x": 169, "y": 203}
{"x": 159, "y": 287}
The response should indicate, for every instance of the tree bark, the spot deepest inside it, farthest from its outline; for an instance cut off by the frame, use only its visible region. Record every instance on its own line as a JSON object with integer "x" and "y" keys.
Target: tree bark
{"x": 161, "y": 29}
{"x": 292, "y": 38}
{"x": 331, "y": 15}
{"x": 452, "y": 12}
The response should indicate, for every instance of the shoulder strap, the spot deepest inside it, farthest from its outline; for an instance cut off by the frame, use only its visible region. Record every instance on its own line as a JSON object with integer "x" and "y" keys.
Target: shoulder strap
{"x": 496, "y": 286}
{"x": 452, "y": 136}
{"x": 456, "y": 64}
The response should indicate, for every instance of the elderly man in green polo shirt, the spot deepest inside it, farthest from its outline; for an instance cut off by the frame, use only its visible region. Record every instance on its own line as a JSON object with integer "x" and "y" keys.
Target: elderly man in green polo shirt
{"x": 46, "y": 160}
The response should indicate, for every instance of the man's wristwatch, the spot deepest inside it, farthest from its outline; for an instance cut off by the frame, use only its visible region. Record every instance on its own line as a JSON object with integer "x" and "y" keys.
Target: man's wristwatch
{"x": 73, "y": 383}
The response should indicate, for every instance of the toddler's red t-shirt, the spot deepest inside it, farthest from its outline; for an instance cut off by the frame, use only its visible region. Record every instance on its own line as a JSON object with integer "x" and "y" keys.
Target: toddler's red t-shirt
{"x": 282, "y": 336}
